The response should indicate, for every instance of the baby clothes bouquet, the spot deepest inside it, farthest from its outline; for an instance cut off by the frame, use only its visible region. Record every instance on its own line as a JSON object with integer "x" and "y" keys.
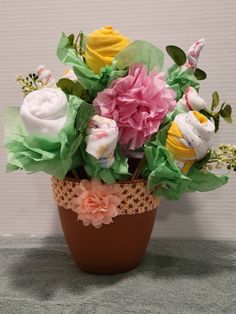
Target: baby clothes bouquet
{"x": 115, "y": 117}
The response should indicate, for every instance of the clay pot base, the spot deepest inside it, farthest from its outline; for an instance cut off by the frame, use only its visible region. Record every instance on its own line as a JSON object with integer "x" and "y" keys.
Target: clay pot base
{"x": 114, "y": 248}
{"x": 111, "y": 271}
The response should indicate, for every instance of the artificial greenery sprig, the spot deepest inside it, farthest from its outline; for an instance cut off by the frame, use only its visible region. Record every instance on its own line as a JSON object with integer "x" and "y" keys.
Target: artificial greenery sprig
{"x": 78, "y": 43}
{"x": 179, "y": 57}
{"x": 224, "y": 112}
{"x": 223, "y": 157}
{"x": 29, "y": 83}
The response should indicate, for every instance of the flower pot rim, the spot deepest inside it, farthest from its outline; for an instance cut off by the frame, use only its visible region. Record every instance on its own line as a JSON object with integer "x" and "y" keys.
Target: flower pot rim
{"x": 136, "y": 197}
{"x": 121, "y": 183}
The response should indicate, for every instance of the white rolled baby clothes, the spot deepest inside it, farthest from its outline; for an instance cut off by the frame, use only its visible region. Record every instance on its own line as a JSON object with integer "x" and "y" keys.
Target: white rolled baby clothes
{"x": 44, "y": 111}
{"x": 101, "y": 140}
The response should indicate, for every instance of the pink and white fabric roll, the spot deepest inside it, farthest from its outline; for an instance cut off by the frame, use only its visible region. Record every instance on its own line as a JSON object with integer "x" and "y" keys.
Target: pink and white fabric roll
{"x": 102, "y": 140}
{"x": 45, "y": 76}
{"x": 193, "y": 54}
{"x": 191, "y": 100}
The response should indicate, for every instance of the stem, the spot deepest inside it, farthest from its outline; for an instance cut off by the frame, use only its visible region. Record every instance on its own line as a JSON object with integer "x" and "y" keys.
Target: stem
{"x": 75, "y": 174}
{"x": 36, "y": 86}
{"x": 75, "y": 43}
{"x": 77, "y": 38}
{"x": 81, "y": 43}
{"x": 212, "y": 160}
{"x": 139, "y": 169}
{"x": 221, "y": 160}
{"x": 78, "y": 47}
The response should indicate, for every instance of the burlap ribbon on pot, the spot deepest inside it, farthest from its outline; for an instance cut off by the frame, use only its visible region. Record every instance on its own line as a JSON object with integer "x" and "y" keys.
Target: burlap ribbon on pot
{"x": 136, "y": 198}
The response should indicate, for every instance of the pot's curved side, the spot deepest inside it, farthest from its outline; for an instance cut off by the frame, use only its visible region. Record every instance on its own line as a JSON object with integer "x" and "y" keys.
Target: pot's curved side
{"x": 117, "y": 247}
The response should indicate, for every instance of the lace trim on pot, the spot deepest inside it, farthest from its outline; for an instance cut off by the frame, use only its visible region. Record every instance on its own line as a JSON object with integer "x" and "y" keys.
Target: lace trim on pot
{"x": 136, "y": 199}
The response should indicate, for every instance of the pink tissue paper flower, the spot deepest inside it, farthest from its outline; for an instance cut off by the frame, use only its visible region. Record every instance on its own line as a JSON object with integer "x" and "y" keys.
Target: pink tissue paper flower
{"x": 138, "y": 103}
{"x": 96, "y": 202}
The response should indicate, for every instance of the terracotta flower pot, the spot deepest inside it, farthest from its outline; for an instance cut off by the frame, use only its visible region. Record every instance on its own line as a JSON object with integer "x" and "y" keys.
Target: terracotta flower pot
{"x": 117, "y": 247}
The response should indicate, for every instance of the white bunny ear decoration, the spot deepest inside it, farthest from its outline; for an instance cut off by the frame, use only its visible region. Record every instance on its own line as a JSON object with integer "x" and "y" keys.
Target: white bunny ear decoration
{"x": 193, "y": 54}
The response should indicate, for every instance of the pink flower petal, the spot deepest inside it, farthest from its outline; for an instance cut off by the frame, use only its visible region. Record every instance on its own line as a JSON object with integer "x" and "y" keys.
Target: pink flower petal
{"x": 138, "y": 103}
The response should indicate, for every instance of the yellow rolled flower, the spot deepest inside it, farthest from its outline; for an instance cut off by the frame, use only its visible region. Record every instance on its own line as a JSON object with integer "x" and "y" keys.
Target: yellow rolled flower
{"x": 188, "y": 138}
{"x": 101, "y": 47}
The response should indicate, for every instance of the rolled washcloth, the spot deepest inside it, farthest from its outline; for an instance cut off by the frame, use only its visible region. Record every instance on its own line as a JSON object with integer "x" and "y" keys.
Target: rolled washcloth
{"x": 188, "y": 138}
{"x": 193, "y": 54}
{"x": 102, "y": 140}
{"x": 191, "y": 100}
{"x": 45, "y": 76}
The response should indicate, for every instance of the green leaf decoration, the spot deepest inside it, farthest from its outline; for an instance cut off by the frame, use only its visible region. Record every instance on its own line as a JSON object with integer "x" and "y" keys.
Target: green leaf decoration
{"x": 139, "y": 52}
{"x": 71, "y": 39}
{"x": 179, "y": 80}
{"x": 215, "y": 100}
{"x": 212, "y": 116}
{"x": 70, "y": 87}
{"x": 166, "y": 179}
{"x": 63, "y": 46}
{"x": 199, "y": 164}
{"x": 176, "y": 54}
{"x": 200, "y": 74}
{"x": 217, "y": 121}
{"x": 206, "y": 113}
{"x": 225, "y": 113}
{"x": 69, "y": 56}
{"x": 73, "y": 88}
{"x": 84, "y": 114}
{"x": 119, "y": 171}
{"x": 53, "y": 154}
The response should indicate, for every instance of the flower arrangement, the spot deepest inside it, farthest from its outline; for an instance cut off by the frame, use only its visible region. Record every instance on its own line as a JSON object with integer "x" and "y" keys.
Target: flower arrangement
{"x": 113, "y": 117}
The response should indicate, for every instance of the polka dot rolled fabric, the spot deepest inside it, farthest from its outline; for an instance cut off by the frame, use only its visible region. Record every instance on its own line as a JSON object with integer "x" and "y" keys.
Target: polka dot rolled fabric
{"x": 189, "y": 138}
{"x": 102, "y": 140}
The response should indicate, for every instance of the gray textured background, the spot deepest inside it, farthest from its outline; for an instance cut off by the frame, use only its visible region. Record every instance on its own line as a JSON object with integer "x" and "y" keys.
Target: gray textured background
{"x": 29, "y": 32}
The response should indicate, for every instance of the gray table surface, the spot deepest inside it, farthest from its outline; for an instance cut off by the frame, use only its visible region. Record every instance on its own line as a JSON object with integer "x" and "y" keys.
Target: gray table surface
{"x": 37, "y": 275}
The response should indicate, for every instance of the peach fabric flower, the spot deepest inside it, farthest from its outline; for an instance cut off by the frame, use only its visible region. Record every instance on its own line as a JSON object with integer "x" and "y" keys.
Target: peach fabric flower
{"x": 96, "y": 202}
